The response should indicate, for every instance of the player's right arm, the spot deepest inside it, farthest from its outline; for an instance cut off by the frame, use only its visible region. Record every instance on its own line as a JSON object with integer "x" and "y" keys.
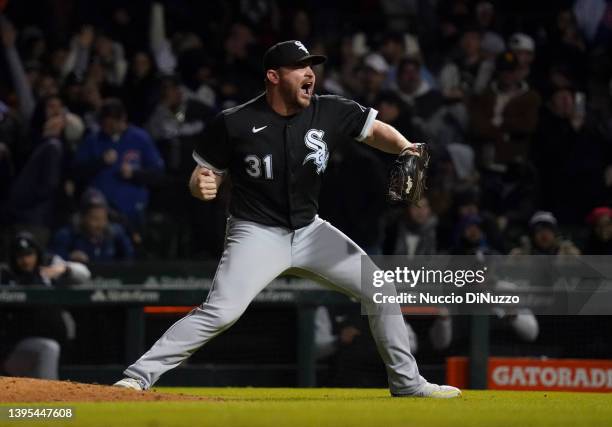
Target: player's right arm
{"x": 204, "y": 183}
{"x": 212, "y": 153}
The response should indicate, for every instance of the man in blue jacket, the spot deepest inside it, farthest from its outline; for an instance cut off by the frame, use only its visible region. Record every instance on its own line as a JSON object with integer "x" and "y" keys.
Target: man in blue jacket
{"x": 121, "y": 161}
{"x": 94, "y": 238}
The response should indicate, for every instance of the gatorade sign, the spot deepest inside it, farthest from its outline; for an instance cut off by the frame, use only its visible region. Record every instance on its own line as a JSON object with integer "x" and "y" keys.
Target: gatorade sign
{"x": 551, "y": 374}
{"x": 507, "y": 373}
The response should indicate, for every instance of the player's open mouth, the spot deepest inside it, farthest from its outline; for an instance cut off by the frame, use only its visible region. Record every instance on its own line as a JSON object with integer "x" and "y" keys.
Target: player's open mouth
{"x": 307, "y": 88}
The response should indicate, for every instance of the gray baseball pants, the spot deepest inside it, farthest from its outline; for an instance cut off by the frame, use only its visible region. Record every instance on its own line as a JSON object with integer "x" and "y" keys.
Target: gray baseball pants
{"x": 254, "y": 255}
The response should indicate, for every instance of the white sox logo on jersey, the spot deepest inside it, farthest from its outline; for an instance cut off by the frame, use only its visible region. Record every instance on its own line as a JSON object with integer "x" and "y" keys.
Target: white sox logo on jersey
{"x": 320, "y": 153}
{"x": 302, "y": 47}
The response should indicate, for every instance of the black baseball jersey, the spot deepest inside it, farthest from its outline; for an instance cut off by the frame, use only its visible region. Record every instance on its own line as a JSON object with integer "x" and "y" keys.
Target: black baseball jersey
{"x": 276, "y": 162}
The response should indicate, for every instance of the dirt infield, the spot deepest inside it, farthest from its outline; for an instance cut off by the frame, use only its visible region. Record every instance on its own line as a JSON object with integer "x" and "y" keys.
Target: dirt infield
{"x": 33, "y": 390}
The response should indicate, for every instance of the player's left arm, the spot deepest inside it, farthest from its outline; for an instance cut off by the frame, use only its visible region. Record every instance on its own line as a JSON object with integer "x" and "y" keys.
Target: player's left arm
{"x": 360, "y": 123}
{"x": 388, "y": 139}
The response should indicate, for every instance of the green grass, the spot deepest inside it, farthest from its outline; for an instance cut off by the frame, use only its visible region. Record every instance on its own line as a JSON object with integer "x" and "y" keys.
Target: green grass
{"x": 293, "y": 407}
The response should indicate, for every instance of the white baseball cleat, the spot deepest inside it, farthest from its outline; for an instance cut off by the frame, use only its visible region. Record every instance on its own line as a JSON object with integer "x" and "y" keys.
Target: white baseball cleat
{"x": 130, "y": 383}
{"x": 434, "y": 391}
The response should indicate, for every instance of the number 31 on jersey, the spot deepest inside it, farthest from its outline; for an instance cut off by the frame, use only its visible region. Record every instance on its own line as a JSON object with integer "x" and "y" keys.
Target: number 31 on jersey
{"x": 254, "y": 166}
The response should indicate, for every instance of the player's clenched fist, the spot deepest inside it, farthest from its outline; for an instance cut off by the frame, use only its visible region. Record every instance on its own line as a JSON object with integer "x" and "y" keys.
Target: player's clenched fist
{"x": 204, "y": 183}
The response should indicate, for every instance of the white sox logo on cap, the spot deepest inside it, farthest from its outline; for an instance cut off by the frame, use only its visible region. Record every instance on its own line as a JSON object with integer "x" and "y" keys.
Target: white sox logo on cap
{"x": 320, "y": 153}
{"x": 301, "y": 46}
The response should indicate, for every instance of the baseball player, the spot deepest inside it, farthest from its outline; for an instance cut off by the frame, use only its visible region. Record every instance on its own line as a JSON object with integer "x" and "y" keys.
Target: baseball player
{"x": 276, "y": 147}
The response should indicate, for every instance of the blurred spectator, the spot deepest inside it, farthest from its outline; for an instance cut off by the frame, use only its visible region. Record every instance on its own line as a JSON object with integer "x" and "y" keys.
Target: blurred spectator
{"x": 471, "y": 239}
{"x": 544, "y": 238}
{"x": 32, "y": 337}
{"x": 71, "y": 93}
{"x": 468, "y": 73}
{"x": 523, "y": 325}
{"x": 593, "y": 19}
{"x": 11, "y": 133}
{"x": 90, "y": 102}
{"x": 49, "y": 111}
{"x": 189, "y": 226}
{"x": 140, "y": 89}
{"x": 394, "y": 111}
{"x": 264, "y": 15}
{"x": 200, "y": 80}
{"x": 51, "y": 117}
{"x": 507, "y": 326}
{"x": 33, "y": 44}
{"x": 126, "y": 27}
{"x": 33, "y": 197}
{"x": 94, "y": 238}
{"x": 120, "y": 160}
{"x": 397, "y": 14}
{"x": 414, "y": 233}
{"x": 465, "y": 204}
{"x": 440, "y": 332}
{"x": 46, "y": 85}
{"x": 376, "y": 69}
{"x": 504, "y": 117}
{"x": 338, "y": 330}
{"x": 454, "y": 15}
{"x": 92, "y": 49}
{"x": 175, "y": 125}
{"x": 241, "y": 75}
{"x": 463, "y": 162}
{"x": 570, "y": 152}
{"x": 23, "y": 88}
{"x": 348, "y": 75}
{"x": 30, "y": 265}
{"x": 38, "y": 189}
{"x": 599, "y": 241}
{"x": 486, "y": 16}
{"x": 7, "y": 169}
{"x": 440, "y": 124}
{"x": 453, "y": 171}
{"x": 393, "y": 51}
{"x": 343, "y": 336}
{"x": 11, "y": 152}
{"x": 523, "y": 47}
{"x": 491, "y": 45}
{"x": 567, "y": 48}
{"x": 300, "y": 27}
{"x": 160, "y": 46}
{"x": 326, "y": 341}
{"x": 511, "y": 194}
{"x": 328, "y": 81}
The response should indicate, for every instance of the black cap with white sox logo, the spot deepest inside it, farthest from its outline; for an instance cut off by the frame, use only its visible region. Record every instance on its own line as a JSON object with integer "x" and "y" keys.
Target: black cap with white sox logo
{"x": 290, "y": 52}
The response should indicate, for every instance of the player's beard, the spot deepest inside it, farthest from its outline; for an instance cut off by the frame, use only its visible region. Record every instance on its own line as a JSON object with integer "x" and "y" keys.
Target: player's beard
{"x": 292, "y": 96}
{"x": 303, "y": 102}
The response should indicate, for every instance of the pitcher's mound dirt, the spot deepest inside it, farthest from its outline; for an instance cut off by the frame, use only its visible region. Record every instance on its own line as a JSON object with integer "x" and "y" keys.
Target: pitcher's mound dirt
{"x": 33, "y": 390}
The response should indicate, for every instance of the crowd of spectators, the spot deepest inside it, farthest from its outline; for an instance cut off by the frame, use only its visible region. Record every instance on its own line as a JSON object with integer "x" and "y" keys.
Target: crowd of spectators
{"x": 101, "y": 102}
{"x": 100, "y": 106}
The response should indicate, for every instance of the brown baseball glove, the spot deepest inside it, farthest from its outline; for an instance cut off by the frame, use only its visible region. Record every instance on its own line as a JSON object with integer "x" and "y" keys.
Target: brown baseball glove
{"x": 407, "y": 176}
